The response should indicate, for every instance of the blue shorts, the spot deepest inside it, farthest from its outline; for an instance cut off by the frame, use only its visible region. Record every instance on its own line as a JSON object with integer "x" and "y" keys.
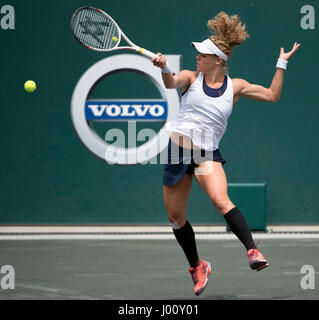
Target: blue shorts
{"x": 186, "y": 161}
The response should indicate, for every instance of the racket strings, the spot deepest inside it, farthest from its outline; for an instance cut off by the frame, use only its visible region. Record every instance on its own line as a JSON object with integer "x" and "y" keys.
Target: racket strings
{"x": 94, "y": 29}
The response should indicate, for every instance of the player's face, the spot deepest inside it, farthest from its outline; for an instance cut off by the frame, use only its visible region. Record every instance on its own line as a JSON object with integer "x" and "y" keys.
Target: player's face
{"x": 206, "y": 62}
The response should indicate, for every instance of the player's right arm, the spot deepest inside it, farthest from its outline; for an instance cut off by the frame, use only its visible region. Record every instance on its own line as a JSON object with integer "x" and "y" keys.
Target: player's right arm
{"x": 183, "y": 79}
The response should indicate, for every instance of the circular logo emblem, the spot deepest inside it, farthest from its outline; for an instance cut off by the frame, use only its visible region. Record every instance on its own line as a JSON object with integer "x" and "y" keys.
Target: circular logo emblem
{"x": 83, "y": 111}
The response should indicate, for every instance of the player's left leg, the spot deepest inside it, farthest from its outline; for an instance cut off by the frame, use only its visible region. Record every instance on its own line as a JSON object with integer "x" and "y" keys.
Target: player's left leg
{"x": 214, "y": 183}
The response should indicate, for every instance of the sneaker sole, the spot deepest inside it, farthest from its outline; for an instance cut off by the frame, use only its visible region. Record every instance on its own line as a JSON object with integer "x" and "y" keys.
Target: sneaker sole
{"x": 208, "y": 272}
{"x": 259, "y": 265}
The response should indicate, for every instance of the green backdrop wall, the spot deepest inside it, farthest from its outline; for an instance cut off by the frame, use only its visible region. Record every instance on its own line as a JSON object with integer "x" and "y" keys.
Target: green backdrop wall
{"x": 48, "y": 177}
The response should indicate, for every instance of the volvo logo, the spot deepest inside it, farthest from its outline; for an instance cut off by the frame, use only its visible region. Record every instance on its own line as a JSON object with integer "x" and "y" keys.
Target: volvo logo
{"x": 85, "y": 110}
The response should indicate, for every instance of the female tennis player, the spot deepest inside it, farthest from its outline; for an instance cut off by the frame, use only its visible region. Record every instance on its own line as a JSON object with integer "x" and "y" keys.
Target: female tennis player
{"x": 208, "y": 97}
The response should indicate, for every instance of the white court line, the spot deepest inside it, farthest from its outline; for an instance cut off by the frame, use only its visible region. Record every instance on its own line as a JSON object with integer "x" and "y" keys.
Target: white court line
{"x": 146, "y": 232}
{"x": 100, "y": 229}
{"x": 154, "y": 236}
{"x": 141, "y": 228}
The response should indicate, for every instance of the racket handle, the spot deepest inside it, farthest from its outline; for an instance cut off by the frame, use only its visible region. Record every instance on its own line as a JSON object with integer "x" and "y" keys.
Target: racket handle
{"x": 147, "y": 53}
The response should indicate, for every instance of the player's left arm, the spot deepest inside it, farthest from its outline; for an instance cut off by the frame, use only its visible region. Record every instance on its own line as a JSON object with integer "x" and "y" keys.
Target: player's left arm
{"x": 242, "y": 88}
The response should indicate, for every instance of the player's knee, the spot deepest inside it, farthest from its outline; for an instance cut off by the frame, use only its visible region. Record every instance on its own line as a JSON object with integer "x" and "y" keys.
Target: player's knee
{"x": 221, "y": 203}
{"x": 174, "y": 212}
{"x": 176, "y": 221}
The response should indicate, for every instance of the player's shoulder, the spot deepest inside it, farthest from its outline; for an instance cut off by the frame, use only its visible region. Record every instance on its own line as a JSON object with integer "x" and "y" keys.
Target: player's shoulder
{"x": 238, "y": 83}
{"x": 191, "y": 75}
{"x": 190, "y": 72}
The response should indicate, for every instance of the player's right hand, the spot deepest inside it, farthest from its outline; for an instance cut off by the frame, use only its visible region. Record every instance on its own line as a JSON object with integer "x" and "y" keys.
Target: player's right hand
{"x": 160, "y": 61}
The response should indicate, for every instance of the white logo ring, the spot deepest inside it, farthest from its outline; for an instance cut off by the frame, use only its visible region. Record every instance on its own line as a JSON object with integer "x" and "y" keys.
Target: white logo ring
{"x": 91, "y": 139}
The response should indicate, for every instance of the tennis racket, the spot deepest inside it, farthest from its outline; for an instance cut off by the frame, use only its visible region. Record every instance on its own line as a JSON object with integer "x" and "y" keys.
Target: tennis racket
{"x": 97, "y": 31}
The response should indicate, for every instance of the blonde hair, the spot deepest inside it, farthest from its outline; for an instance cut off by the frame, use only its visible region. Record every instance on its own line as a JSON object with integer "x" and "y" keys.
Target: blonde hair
{"x": 228, "y": 32}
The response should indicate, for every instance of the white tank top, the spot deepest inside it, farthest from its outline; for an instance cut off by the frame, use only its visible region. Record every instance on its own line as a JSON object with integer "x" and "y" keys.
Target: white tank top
{"x": 202, "y": 117}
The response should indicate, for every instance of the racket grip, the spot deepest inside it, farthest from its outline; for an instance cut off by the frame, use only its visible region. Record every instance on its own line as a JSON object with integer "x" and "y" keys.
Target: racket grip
{"x": 147, "y": 53}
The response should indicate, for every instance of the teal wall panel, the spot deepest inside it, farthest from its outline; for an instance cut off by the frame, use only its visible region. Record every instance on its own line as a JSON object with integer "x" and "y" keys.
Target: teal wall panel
{"x": 47, "y": 176}
{"x": 251, "y": 199}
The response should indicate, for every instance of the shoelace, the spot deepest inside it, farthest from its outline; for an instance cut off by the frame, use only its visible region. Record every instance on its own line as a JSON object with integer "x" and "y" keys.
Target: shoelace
{"x": 195, "y": 274}
{"x": 195, "y": 277}
{"x": 254, "y": 253}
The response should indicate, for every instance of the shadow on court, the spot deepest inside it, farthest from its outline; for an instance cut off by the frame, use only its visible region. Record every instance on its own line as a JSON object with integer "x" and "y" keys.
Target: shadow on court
{"x": 154, "y": 269}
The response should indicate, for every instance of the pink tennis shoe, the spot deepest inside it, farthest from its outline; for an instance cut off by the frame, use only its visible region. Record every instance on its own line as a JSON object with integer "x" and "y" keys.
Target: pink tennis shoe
{"x": 256, "y": 260}
{"x": 200, "y": 276}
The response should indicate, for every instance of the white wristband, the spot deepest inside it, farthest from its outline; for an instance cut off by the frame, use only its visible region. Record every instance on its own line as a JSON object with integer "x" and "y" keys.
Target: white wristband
{"x": 282, "y": 64}
{"x": 166, "y": 69}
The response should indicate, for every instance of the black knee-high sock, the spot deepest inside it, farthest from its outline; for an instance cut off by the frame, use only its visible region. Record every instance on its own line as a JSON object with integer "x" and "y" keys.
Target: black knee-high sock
{"x": 238, "y": 225}
{"x": 186, "y": 238}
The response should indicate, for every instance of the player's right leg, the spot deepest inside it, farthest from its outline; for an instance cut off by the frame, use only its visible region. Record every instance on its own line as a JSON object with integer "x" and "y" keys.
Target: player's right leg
{"x": 175, "y": 202}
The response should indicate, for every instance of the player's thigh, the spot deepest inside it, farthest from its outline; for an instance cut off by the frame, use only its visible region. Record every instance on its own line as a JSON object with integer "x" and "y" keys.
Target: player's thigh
{"x": 213, "y": 182}
{"x": 176, "y": 197}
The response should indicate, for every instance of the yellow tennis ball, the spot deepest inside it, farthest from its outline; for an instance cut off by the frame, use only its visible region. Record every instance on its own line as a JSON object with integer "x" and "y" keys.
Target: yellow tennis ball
{"x": 30, "y": 86}
{"x": 115, "y": 39}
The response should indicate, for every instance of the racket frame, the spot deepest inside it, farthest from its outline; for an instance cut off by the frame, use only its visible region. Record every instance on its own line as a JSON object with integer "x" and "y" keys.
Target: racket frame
{"x": 132, "y": 46}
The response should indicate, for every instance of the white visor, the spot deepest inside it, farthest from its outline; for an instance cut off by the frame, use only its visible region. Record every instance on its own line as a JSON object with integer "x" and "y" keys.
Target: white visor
{"x": 208, "y": 47}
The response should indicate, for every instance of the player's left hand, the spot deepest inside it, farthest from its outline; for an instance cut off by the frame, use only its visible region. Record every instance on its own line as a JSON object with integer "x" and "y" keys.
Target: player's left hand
{"x": 287, "y": 55}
